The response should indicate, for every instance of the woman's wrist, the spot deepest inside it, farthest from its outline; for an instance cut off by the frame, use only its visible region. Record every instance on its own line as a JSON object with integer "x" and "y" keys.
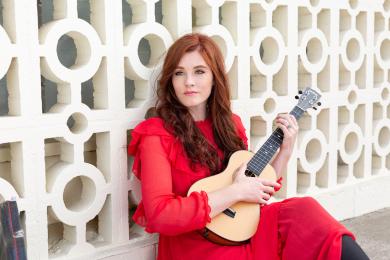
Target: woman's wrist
{"x": 220, "y": 200}
{"x": 285, "y": 154}
{"x": 235, "y": 192}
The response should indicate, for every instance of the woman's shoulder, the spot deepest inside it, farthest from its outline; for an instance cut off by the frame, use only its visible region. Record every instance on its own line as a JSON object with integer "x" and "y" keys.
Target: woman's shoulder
{"x": 152, "y": 126}
{"x": 237, "y": 121}
{"x": 240, "y": 128}
{"x": 236, "y": 117}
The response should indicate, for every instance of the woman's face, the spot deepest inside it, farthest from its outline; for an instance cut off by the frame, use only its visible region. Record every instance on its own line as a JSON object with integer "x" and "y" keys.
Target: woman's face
{"x": 192, "y": 81}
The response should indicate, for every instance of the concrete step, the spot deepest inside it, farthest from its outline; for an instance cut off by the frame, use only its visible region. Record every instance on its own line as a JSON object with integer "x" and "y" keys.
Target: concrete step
{"x": 372, "y": 232}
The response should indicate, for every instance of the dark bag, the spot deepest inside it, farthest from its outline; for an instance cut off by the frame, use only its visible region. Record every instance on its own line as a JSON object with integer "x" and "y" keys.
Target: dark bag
{"x": 11, "y": 233}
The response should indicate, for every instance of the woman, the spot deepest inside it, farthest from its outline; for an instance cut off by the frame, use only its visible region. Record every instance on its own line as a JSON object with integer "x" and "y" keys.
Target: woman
{"x": 192, "y": 137}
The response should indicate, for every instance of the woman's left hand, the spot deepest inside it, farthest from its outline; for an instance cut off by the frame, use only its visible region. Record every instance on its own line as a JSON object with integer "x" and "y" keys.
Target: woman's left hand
{"x": 289, "y": 126}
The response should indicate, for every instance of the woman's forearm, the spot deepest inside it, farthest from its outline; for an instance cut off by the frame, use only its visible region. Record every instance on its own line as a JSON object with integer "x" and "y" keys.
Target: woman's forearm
{"x": 243, "y": 188}
{"x": 280, "y": 163}
{"x": 222, "y": 199}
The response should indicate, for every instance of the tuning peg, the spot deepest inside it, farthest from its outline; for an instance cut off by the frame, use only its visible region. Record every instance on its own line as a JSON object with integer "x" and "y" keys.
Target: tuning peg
{"x": 296, "y": 97}
{"x": 300, "y": 92}
{"x": 314, "y": 108}
{"x": 319, "y": 103}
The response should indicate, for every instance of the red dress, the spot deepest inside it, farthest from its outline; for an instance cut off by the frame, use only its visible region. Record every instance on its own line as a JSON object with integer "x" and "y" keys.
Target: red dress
{"x": 296, "y": 228}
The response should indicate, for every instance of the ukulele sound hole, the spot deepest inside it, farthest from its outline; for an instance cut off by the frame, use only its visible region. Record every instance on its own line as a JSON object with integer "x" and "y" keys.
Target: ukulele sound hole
{"x": 249, "y": 173}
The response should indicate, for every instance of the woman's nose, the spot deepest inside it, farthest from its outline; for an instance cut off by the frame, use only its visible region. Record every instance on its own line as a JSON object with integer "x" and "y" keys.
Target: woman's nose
{"x": 190, "y": 81}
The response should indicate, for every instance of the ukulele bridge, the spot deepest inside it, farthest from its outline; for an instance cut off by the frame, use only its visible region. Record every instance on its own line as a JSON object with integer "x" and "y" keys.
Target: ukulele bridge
{"x": 230, "y": 212}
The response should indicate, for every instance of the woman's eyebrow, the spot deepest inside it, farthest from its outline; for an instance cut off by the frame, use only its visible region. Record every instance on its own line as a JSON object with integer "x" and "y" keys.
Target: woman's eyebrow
{"x": 200, "y": 67}
{"x": 196, "y": 67}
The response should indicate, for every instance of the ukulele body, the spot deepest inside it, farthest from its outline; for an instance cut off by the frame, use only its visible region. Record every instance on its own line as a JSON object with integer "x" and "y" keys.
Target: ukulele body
{"x": 243, "y": 224}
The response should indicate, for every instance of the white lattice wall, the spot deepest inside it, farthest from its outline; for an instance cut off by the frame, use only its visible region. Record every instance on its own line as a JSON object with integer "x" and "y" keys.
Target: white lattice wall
{"x": 68, "y": 167}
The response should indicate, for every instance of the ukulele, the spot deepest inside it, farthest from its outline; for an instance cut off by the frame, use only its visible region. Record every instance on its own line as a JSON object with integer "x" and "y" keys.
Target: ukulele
{"x": 238, "y": 223}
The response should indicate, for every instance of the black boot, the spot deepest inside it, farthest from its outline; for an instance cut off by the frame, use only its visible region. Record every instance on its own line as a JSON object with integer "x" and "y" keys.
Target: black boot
{"x": 351, "y": 250}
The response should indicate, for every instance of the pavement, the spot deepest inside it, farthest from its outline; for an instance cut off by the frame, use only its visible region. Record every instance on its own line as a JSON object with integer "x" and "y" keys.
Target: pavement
{"x": 372, "y": 232}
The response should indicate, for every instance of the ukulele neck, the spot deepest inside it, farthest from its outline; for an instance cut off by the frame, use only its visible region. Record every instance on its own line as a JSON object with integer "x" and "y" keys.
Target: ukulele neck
{"x": 264, "y": 155}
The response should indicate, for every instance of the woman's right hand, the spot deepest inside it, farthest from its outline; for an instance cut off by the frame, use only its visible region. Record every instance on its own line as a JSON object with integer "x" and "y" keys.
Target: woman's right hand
{"x": 252, "y": 189}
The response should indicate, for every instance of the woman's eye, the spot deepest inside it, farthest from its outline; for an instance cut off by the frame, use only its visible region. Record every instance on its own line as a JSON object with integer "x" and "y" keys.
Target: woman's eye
{"x": 178, "y": 73}
{"x": 199, "y": 71}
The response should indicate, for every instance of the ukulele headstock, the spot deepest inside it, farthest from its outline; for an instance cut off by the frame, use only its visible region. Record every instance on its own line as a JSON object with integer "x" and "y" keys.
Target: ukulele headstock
{"x": 308, "y": 99}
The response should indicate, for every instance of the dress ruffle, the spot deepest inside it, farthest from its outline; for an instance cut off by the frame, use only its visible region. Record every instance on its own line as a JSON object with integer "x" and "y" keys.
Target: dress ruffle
{"x": 207, "y": 208}
{"x": 153, "y": 126}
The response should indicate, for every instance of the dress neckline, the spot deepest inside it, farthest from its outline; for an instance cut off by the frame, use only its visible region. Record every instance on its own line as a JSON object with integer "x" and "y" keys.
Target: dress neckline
{"x": 204, "y": 121}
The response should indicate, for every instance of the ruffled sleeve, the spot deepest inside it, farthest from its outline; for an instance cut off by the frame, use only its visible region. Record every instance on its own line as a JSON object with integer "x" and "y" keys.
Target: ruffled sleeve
{"x": 153, "y": 126}
{"x": 161, "y": 210}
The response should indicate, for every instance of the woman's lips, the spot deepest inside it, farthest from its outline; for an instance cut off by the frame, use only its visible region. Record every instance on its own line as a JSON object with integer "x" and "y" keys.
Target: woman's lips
{"x": 190, "y": 93}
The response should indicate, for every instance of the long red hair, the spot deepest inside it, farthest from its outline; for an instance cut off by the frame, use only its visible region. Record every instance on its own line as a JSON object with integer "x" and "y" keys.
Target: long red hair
{"x": 177, "y": 117}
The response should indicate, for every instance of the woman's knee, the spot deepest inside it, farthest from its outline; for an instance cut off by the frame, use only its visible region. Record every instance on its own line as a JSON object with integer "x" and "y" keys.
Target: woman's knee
{"x": 299, "y": 208}
{"x": 309, "y": 201}
{"x": 305, "y": 202}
